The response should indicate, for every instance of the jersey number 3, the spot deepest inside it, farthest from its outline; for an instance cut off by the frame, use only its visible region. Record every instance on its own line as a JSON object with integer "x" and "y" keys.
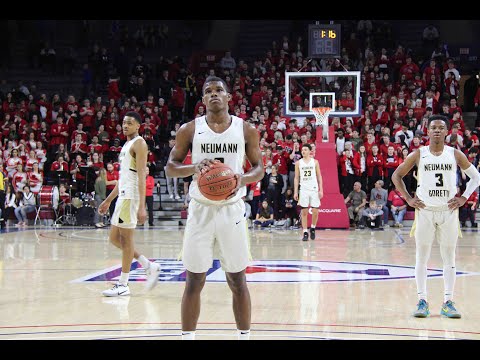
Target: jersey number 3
{"x": 440, "y": 180}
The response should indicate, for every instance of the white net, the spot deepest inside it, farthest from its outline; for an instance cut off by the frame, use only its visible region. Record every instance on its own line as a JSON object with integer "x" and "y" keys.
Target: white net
{"x": 321, "y": 114}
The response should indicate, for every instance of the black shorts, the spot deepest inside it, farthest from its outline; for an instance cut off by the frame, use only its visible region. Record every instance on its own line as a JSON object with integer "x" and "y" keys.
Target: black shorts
{"x": 188, "y": 179}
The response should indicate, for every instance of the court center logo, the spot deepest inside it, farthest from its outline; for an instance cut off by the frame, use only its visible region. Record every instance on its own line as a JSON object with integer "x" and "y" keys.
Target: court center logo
{"x": 271, "y": 271}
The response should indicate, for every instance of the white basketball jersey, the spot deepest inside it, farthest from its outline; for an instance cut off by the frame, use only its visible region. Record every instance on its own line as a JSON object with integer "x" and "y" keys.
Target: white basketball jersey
{"x": 228, "y": 147}
{"x": 437, "y": 177}
{"x": 308, "y": 175}
{"x": 128, "y": 179}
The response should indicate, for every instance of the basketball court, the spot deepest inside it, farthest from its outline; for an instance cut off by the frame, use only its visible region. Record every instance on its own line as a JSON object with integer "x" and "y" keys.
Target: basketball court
{"x": 346, "y": 284}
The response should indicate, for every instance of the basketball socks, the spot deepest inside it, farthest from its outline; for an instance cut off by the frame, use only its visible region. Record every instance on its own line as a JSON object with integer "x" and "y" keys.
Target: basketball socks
{"x": 243, "y": 334}
{"x": 144, "y": 262}
{"x": 448, "y": 281}
{"x": 188, "y": 335}
{"x": 123, "y": 278}
{"x": 305, "y": 231}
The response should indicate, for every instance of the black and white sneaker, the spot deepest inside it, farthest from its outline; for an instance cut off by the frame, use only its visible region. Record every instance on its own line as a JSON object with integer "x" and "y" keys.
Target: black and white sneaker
{"x": 117, "y": 290}
{"x": 305, "y": 236}
{"x": 312, "y": 233}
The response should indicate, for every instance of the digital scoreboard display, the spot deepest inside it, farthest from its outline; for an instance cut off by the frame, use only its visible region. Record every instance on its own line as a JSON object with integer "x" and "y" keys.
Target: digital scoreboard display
{"x": 324, "y": 40}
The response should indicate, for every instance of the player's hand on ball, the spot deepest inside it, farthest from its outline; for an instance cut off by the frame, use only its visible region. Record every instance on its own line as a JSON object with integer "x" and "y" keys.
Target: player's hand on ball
{"x": 102, "y": 209}
{"x": 141, "y": 215}
{"x": 238, "y": 178}
{"x": 205, "y": 165}
{"x": 416, "y": 203}
{"x": 456, "y": 202}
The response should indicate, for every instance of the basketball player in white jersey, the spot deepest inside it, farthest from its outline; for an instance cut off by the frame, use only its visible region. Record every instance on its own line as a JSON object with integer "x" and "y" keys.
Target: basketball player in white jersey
{"x": 130, "y": 206}
{"x": 436, "y": 208}
{"x": 227, "y": 138}
{"x": 309, "y": 178}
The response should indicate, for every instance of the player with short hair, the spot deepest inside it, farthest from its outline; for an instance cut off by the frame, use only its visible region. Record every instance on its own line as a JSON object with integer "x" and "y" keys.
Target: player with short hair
{"x": 216, "y": 136}
{"x": 436, "y": 208}
{"x": 130, "y": 206}
{"x": 309, "y": 178}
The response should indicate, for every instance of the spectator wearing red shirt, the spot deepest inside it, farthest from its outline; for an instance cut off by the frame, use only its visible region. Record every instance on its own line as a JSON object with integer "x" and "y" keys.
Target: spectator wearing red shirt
{"x": 386, "y": 142}
{"x": 19, "y": 178}
{"x": 111, "y": 124}
{"x": 35, "y": 179}
{"x": 116, "y": 147}
{"x": 70, "y": 102}
{"x": 468, "y": 210}
{"x": 469, "y": 136}
{"x": 391, "y": 162}
{"x": 112, "y": 179}
{"x": 415, "y": 144}
{"x": 457, "y": 119}
{"x": 380, "y": 117}
{"x": 375, "y": 165}
{"x": 94, "y": 161}
{"x": 177, "y": 102}
{"x": 369, "y": 143}
{"x": 59, "y": 165}
{"x": 398, "y": 207}
{"x": 149, "y": 196}
{"x": 454, "y": 106}
{"x": 17, "y": 119}
{"x": 147, "y": 125}
{"x": 113, "y": 90}
{"x": 79, "y": 147}
{"x": 87, "y": 115}
{"x": 59, "y": 134}
{"x": 95, "y": 147}
{"x": 32, "y": 158}
{"x": 119, "y": 135}
{"x": 80, "y": 131}
{"x": 409, "y": 69}
{"x": 281, "y": 159}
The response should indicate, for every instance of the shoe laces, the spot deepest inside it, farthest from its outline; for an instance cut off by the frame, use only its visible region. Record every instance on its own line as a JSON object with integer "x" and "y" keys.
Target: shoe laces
{"x": 422, "y": 305}
{"x": 450, "y": 305}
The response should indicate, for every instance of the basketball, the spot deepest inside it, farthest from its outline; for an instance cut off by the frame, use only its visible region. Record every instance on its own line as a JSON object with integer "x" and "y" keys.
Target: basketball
{"x": 217, "y": 183}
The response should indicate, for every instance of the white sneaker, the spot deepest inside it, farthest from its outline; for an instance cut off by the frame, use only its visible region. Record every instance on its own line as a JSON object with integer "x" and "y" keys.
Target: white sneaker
{"x": 152, "y": 276}
{"x": 117, "y": 290}
{"x": 171, "y": 197}
{"x": 177, "y": 197}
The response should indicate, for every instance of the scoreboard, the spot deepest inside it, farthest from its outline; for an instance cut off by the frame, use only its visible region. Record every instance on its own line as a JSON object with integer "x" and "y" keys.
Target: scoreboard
{"x": 324, "y": 40}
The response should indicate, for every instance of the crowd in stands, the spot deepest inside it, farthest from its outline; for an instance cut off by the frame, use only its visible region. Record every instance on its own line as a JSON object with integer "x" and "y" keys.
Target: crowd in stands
{"x": 51, "y": 139}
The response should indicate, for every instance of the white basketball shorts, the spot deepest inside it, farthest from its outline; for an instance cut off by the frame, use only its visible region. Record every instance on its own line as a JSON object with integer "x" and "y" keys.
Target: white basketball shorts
{"x": 441, "y": 225}
{"x": 125, "y": 213}
{"x": 308, "y": 198}
{"x": 210, "y": 225}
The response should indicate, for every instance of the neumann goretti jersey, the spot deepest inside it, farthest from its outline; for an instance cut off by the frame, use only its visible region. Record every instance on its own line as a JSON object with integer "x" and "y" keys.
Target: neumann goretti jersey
{"x": 228, "y": 147}
{"x": 128, "y": 181}
{"x": 308, "y": 175}
{"x": 437, "y": 178}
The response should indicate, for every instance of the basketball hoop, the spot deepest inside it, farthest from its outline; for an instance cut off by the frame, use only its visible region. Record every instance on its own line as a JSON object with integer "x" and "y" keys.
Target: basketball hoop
{"x": 321, "y": 114}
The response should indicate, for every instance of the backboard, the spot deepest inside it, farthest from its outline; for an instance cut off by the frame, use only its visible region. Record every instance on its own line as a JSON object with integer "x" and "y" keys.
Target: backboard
{"x": 304, "y": 89}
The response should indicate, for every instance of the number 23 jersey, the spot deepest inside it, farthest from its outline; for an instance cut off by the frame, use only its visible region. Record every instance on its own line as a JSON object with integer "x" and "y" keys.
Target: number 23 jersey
{"x": 308, "y": 175}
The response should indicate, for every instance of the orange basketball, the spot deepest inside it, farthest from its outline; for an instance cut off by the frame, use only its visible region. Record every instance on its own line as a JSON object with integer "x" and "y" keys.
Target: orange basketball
{"x": 218, "y": 182}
